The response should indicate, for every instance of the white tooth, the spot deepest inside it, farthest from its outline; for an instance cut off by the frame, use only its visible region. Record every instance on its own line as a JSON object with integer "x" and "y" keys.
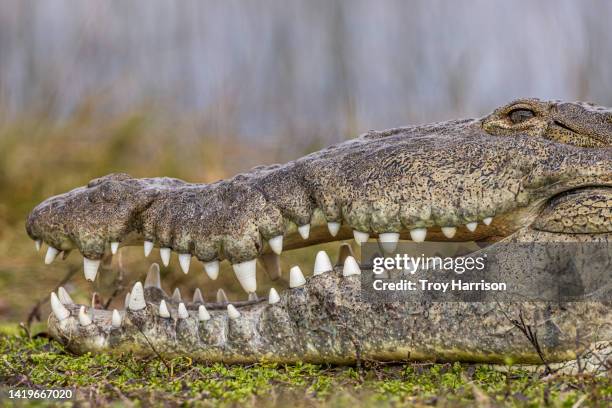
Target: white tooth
{"x": 360, "y": 237}
{"x": 232, "y": 312}
{"x": 333, "y": 228}
{"x": 487, "y": 221}
{"x": 184, "y": 260}
{"x": 148, "y": 247}
{"x": 63, "y": 296}
{"x": 58, "y": 309}
{"x": 221, "y": 296}
{"x": 163, "y": 309}
{"x": 304, "y": 231}
{"x": 418, "y": 234}
{"x": 182, "y": 311}
{"x": 273, "y": 296}
{"x": 165, "y": 255}
{"x": 253, "y": 297}
{"x": 137, "y": 300}
{"x": 296, "y": 277}
{"x": 212, "y": 269}
{"x": 246, "y": 274}
{"x": 114, "y": 247}
{"x": 322, "y": 263}
{"x": 84, "y": 318}
{"x": 471, "y": 226}
{"x": 203, "y": 314}
{"x": 126, "y": 302}
{"x": 90, "y": 267}
{"x": 351, "y": 267}
{"x": 197, "y": 296}
{"x": 38, "y": 244}
{"x": 276, "y": 244}
{"x": 176, "y": 295}
{"x": 388, "y": 241}
{"x": 153, "y": 280}
{"x": 449, "y": 232}
{"x": 116, "y": 319}
{"x": 50, "y": 255}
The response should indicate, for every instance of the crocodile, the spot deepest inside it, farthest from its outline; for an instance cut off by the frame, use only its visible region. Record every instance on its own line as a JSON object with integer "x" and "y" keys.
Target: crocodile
{"x": 530, "y": 171}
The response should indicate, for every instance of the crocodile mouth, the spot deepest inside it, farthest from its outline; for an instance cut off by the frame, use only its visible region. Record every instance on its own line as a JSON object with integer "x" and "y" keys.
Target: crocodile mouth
{"x": 153, "y": 318}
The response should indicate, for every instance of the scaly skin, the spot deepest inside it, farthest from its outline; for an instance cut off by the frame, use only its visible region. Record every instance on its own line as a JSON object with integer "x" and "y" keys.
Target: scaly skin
{"x": 541, "y": 170}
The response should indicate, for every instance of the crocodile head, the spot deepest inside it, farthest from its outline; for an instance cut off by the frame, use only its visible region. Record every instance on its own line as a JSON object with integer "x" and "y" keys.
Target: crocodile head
{"x": 530, "y": 171}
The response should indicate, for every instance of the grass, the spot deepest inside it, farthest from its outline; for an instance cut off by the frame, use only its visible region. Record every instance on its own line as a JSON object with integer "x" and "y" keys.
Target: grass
{"x": 100, "y": 379}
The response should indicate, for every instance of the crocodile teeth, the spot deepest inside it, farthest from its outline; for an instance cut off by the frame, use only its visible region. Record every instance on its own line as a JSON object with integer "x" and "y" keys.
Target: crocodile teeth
{"x": 351, "y": 267}
{"x": 388, "y": 241}
{"x": 487, "y": 221}
{"x": 114, "y": 247}
{"x": 148, "y": 247}
{"x": 184, "y": 261}
{"x": 221, "y": 296}
{"x": 116, "y": 319}
{"x": 296, "y": 277}
{"x": 322, "y": 263}
{"x": 203, "y": 314}
{"x": 273, "y": 296}
{"x": 276, "y": 244}
{"x": 176, "y": 295}
{"x": 63, "y": 296}
{"x": 232, "y": 312}
{"x": 471, "y": 226}
{"x": 333, "y": 228}
{"x": 38, "y": 244}
{"x": 304, "y": 231}
{"x": 164, "y": 253}
{"x": 418, "y": 234}
{"x": 126, "y": 302}
{"x": 360, "y": 237}
{"x": 153, "y": 280}
{"x": 163, "y": 309}
{"x": 246, "y": 274}
{"x": 182, "y": 311}
{"x": 84, "y": 319}
{"x": 253, "y": 297}
{"x": 212, "y": 269}
{"x": 58, "y": 309}
{"x": 90, "y": 267}
{"x": 50, "y": 255}
{"x": 137, "y": 300}
{"x": 449, "y": 232}
{"x": 197, "y": 296}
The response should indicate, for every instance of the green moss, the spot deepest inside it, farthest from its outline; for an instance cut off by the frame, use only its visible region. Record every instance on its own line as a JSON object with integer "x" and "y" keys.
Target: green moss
{"x": 43, "y": 363}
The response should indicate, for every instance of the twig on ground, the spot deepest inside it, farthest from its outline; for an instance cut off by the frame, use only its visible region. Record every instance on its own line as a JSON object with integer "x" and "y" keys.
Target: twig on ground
{"x": 533, "y": 339}
{"x": 161, "y": 358}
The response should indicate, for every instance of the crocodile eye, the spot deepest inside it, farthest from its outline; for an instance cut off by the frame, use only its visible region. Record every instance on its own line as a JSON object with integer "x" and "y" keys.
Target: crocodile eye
{"x": 520, "y": 115}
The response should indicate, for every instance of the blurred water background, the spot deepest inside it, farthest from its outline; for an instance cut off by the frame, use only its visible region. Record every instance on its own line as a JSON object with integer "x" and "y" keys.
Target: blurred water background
{"x": 203, "y": 89}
